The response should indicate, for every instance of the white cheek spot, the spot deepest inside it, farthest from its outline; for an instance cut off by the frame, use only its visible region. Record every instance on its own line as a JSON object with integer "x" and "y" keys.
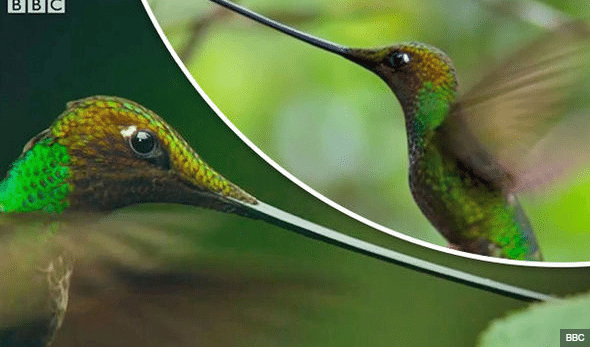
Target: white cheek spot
{"x": 128, "y": 131}
{"x": 406, "y": 58}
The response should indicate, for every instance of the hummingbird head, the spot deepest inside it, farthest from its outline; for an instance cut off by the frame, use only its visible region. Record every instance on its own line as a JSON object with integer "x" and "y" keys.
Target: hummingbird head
{"x": 410, "y": 69}
{"x": 104, "y": 153}
{"x": 422, "y": 77}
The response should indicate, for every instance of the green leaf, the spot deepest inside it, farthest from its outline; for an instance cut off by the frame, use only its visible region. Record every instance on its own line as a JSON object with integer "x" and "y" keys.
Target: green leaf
{"x": 539, "y": 324}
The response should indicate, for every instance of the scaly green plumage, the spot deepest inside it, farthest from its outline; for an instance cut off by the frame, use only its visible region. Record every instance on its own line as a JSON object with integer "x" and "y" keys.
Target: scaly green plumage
{"x": 37, "y": 180}
{"x": 96, "y": 131}
{"x": 454, "y": 198}
{"x": 90, "y": 139}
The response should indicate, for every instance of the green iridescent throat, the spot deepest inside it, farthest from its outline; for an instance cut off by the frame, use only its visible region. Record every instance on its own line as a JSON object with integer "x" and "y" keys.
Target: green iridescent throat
{"x": 432, "y": 107}
{"x": 37, "y": 181}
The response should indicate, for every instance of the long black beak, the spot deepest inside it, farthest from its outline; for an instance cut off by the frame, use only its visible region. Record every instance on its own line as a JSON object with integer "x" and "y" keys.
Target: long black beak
{"x": 288, "y": 221}
{"x": 312, "y": 40}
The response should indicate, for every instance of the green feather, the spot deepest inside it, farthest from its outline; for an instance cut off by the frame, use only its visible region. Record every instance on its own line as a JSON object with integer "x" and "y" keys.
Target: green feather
{"x": 37, "y": 181}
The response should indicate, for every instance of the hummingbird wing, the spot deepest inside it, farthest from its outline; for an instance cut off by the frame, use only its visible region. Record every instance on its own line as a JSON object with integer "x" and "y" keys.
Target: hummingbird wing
{"x": 145, "y": 279}
{"x": 506, "y": 125}
{"x": 157, "y": 279}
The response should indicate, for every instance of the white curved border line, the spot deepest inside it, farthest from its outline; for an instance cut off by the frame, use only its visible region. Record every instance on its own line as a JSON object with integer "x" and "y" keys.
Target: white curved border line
{"x": 325, "y": 199}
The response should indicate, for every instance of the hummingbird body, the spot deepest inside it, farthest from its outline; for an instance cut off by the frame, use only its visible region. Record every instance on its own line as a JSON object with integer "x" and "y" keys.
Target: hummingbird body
{"x": 453, "y": 198}
{"x": 469, "y": 210}
{"x": 469, "y": 153}
{"x": 37, "y": 182}
{"x": 31, "y": 314}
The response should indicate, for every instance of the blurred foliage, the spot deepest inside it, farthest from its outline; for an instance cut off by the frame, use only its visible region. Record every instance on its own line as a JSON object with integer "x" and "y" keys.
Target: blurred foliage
{"x": 539, "y": 324}
{"x": 337, "y": 127}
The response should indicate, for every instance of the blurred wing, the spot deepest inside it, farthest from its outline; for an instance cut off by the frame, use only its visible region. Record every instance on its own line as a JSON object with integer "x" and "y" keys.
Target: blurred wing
{"x": 25, "y": 257}
{"x": 495, "y": 126}
{"x": 530, "y": 11}
{"x": 140, "y": 280}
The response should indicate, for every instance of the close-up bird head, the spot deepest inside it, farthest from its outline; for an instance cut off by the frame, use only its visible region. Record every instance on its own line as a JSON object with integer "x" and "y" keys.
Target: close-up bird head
{"x": 418, "y": 74}
{"x": 103, "y": 153}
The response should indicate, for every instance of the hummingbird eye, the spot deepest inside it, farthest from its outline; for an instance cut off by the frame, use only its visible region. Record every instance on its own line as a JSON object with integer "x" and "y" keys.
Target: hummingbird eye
{"x": 143, "y": 142}
{"x": 399, "y": 59}
{"x": 146, "y": 145}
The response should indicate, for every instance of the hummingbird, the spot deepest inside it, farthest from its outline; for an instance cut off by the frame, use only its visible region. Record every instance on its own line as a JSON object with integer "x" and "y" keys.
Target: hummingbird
{"x": 470, "y": 154}
{"x": 104, "y": 153}
{"x": 101, "y": 154}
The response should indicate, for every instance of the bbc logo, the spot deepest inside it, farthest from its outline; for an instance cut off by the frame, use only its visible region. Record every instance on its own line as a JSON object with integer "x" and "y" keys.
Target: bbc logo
{"x": 37, "y": 6}
{"x": 574, "y": 337}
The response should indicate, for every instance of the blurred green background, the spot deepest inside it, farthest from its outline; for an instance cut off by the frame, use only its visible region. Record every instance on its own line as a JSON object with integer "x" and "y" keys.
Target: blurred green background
{"x": 336, "y": 126}
{"x": 294, "y": 290}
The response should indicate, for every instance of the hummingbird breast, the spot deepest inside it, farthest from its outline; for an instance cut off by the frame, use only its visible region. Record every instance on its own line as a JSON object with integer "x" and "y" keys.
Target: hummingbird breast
{"x": 471, "y": 213}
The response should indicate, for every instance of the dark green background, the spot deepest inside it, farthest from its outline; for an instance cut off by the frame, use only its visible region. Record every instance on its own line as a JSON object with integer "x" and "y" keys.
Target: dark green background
{"x": 111, "y": 48}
